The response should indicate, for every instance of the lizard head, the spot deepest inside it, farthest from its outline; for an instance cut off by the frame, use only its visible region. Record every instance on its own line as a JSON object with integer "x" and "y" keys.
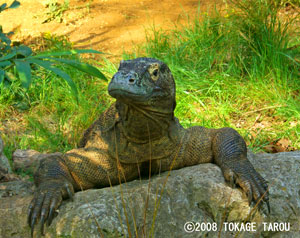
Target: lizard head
{"x": 145, "y": 83}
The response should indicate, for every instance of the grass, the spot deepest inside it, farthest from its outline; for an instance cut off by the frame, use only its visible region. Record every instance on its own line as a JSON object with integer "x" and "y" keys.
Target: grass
{"x": 47, "y": 117}
{"x": 237, "y": 68}
{"x": 56, "y": 10}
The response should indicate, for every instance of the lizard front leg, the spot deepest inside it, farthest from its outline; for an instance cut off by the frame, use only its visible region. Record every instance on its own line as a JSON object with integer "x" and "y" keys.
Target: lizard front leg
{"x": 53, "y": 182}
{"x": 230, "y": 153}
{"x": 59, "y": 176}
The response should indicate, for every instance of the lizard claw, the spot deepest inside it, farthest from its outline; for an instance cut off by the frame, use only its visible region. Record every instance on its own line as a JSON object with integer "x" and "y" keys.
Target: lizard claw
{"x": 34, "y": 210}
{"x": 252, "y": 183}
{"x": 70, "y": 191}
{"x": 46, "y": 200}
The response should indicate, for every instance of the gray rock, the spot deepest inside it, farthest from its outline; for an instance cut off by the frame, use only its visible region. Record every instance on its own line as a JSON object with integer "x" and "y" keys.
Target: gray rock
{"x": 4, "y": 164}
{"x": 162, "y": 206}
{"x": 27, "y": 160}
{"x": 13, "y": 188}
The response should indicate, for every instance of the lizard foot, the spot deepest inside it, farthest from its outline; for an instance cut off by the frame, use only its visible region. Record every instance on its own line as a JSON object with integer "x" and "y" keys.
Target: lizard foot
{"x": 251, "y": 182}
{"x": 46, "y": 200}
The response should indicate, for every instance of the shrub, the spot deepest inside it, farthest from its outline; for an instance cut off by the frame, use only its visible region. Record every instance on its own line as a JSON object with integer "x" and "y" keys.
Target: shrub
{"x": 17, "y": 61}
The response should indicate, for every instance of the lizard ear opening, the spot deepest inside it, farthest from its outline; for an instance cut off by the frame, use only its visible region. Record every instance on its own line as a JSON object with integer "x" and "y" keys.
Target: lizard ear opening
{"x": 154, "y": 71}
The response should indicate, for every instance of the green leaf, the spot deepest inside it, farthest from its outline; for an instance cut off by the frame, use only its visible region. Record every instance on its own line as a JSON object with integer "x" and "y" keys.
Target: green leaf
{"x": 57, "y": 71}
{"x": 4, "y": 64}
{"x": 3, "y": 6}
{"x": 4, "y": 38}
{"x": 23, "y": 50}
{"x": 67, "y": 52}
{"x": 1, "y": 75}
{"x": 15, "y": 4}
{"x": 9, "y": 33}
{"x": 8, "y": 56}
{"x": 84, "y": 67}
{"x": 24, "y": 71}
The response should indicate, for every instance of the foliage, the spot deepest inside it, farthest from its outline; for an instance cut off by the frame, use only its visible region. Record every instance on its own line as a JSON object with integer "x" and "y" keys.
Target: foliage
{"x": 237, "y": 68}
{"x": 4, "y": 40}
{"x": 264, "y": 42}
{"x": 214, "y": 87}
{"x": 56, "y": 10}
{"x": 19, "y": 60}
{"x": 14, "y": 4}
{"x": 248, "y": 39}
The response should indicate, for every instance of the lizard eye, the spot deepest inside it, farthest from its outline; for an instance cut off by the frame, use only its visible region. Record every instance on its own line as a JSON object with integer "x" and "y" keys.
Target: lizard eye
{"x": 154, "y": 71}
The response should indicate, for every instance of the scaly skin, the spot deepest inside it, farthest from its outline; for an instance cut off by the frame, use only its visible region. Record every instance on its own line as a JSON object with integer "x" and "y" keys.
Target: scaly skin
{"x": 139, "y": 129}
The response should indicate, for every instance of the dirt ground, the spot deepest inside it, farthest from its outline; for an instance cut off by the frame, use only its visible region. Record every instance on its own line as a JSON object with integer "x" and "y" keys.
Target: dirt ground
{"x": 110, "y": 26}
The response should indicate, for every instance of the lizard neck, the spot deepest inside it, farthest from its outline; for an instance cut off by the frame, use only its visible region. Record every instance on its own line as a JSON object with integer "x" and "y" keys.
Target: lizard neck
{"x": 141, "y": 125}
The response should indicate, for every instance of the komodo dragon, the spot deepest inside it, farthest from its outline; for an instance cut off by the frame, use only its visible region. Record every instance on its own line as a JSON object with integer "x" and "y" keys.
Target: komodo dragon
{"x": 137, "y": 132}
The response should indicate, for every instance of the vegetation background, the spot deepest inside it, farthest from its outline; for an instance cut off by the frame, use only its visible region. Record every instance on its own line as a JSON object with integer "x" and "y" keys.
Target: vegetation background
{"x": 235, "y": 64}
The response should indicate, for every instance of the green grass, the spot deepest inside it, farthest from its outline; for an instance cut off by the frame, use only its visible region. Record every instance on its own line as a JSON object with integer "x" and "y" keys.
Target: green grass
{"x": 47, "y": 117}
{"x": 237, "y": 68}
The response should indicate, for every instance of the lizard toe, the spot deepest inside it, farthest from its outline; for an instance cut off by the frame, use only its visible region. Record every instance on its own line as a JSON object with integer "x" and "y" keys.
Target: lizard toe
{"x": 30, "y": 211}
{"x": 45, "y": 202}
{"x": 45, "y": 211}
{"x": 55, "y": 202}
{"x": 230, "y": 177}
{"x": 68, "y": 191}
{"x": 263, "y": 188}
{"x": 35, "y": 209}
{"x": 246, "y": 187}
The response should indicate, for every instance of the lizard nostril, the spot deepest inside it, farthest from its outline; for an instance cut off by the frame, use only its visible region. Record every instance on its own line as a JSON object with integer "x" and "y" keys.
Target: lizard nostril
{"x": 131, "y": 80}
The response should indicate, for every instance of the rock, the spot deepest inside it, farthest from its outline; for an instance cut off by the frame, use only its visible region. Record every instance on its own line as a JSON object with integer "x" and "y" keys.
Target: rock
{"x": 162, "y": 207}
{"x": 5, "y": 176}
{"x": 13, "y": 188}
{"x": 5, "y": 169}
{"x": 4, "y": 164}
{"x": 27, "y": 160}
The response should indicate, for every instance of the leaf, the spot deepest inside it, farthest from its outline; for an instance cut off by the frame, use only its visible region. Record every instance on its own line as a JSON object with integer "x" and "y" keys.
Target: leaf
{"x": 284, "y": 142}
{"x": 8, "y": 56}
{"x": 1, "y": 75}
{"x": 84, "y": 67}
{"x": 9, "y": 33}
{"x": 4, "y": 38}
{"x": 270, "y": 148}
{"x": 57, "y": 71}
{"x": 24, "y": 71}
{"x": 3, "y": 6}
{"x": 15, "y": 4}
{"x": 24, "y": 50}
{"x": 290, "y": 58}
{"x": 67, "y": 52}
{"x": 279, "y": 145}
{"x": 4, "y": 64}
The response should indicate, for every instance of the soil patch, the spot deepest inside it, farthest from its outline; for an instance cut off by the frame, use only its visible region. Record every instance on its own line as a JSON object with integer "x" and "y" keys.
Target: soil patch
{"x": 111, "y": 26}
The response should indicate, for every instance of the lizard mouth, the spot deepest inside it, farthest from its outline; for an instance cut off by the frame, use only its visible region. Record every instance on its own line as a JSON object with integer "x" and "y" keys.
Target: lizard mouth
{"x": 127, "y": 95}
